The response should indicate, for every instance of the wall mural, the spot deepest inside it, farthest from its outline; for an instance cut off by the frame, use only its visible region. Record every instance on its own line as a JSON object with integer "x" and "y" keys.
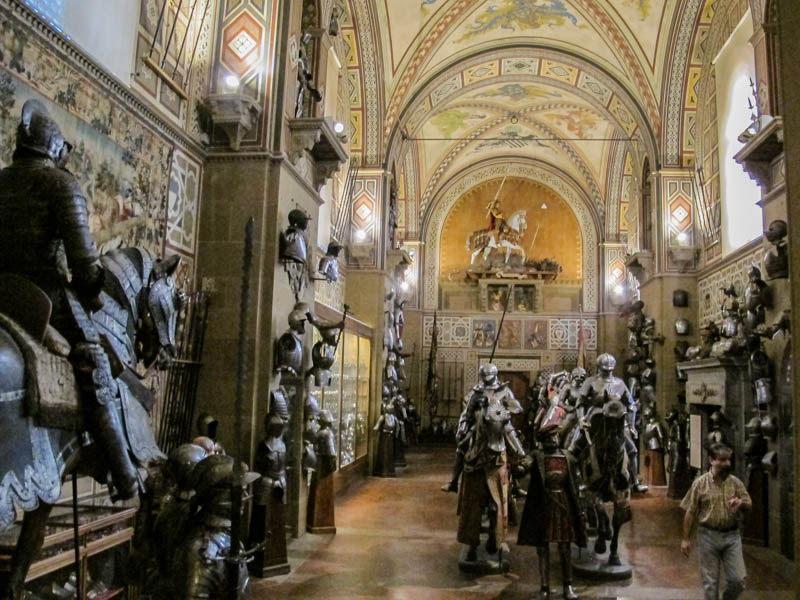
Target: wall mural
{"x": 520, "y": 15}
{"x": 122, "y": 165}
{"x": 536, "y": 225}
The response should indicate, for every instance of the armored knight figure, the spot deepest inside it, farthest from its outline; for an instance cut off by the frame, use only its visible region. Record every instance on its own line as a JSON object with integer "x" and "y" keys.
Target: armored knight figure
{"x": 320, "y": 514}
{"x": 776, "y": 260}
{"x": 293, "y": 243}
{"x": 310, "y": 429}
{"x": 329, "y": 264}
{"x": 570, "y": 400}
{"x": 678, "y": 448}
{"x": 653, "y": 438}
{"x": 267, "y": 519}
{"x": 45, "y": 237}
{"x": 755, "y": 447}
{"x": 760, "y": 368}
{"x": 173, "y": 519}
{"x": 322, "y": 354}
{"x": 490, "y": 387}
{"x": 198, "y": 564}
{"x": 387, "y": 428}
{"x": 552, "y": 511}
{"x": 289, "y": 348}
{"x": 593, "y": 394}
{"x": 757, "y": 298}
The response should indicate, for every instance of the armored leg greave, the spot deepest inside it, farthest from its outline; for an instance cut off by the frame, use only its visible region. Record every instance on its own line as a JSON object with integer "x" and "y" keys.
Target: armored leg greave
{"x": 98, "y": 391}
{"x": 543, "y": 552}
{"x": 566, "y": 571}
{"x": 458, "y": 466}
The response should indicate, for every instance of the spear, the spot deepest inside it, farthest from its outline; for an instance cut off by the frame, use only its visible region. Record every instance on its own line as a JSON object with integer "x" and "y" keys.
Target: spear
{"x": 234, "y": 559}
{"x": 500, "y": 328}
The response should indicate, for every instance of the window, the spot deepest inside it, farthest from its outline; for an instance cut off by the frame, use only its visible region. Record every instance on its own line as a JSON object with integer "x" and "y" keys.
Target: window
{"x": 734, "y": 70}
{"x": 105, "y": 30}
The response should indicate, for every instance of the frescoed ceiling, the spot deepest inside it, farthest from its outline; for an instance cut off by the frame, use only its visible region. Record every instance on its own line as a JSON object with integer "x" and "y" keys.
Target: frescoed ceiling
{"x": 574, "y": 84}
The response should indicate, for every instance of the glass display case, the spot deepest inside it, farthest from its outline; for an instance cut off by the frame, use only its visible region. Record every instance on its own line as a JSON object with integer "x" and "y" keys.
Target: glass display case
{"x": 362, "y": 401}
{"x": 347, "y": 398}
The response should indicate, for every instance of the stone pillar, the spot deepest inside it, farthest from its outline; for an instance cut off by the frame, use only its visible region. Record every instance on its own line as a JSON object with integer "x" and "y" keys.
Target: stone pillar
{"x": 789, "y": 22}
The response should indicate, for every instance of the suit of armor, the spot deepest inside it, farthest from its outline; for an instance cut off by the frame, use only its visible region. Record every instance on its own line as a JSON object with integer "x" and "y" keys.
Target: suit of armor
{"x": 45, "y": 236}
{"x": 593, "y": 392}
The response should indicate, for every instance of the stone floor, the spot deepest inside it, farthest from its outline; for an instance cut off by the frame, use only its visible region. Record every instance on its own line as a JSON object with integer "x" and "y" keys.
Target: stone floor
{"x": 396, "y": 539}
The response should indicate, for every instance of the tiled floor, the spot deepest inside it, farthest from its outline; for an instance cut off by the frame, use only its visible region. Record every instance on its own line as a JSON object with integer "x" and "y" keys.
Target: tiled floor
{"x": 396, "y": 539}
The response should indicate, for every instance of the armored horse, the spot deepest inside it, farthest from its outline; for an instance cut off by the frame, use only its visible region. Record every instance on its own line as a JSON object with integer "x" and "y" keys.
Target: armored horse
{"x": 600, "y": 449}
{"x": 43, "y": 435}
{"x": 506, "y": 235}
{"x": 485, "y": 483}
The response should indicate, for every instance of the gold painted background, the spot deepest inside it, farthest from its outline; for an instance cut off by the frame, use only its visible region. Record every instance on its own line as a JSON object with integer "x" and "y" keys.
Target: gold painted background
{"x": 559, "y": 234}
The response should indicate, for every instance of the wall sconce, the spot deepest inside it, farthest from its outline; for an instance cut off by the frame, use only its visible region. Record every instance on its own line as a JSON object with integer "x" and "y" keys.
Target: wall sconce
{"x": 232, "y": 111}
{"x": 360, "y": 235}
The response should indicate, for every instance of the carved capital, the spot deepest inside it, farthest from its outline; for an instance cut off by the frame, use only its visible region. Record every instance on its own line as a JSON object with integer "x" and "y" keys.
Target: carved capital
{"x": 324, "y": 170}
{"x": 235, "y": 114}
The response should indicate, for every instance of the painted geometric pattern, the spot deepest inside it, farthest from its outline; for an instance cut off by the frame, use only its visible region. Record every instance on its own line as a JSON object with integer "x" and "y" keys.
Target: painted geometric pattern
{"x": 241, "y": 47}
{"x": 455, "y": 331}
{"x": 549, "y": 68}
{"x": 182, "y": 202}
{"x": 735, "y": 272}
{"x": 679, "y": 193}
{"x": 450, "y": 195}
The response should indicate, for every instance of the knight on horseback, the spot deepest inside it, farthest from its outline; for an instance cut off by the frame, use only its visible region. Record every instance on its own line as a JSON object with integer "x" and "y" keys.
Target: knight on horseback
{"x": 45, "y": 238}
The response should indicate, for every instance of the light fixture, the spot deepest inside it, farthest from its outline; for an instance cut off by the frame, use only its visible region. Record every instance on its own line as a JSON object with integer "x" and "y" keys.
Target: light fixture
{"x": 411, "y": 253}
{"x": 543, "y": 206}
{"x": 619, "y": 290}
{"x": 404, "y": 286}
{"x": 360, "y": 235}
{"x": 682, "y": 237}
{"x": 230, "y": 84}
{"x": 338, "y": 127}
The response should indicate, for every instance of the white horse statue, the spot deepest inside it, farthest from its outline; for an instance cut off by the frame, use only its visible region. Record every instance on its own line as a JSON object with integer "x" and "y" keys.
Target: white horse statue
{"x": 507, "y": 235}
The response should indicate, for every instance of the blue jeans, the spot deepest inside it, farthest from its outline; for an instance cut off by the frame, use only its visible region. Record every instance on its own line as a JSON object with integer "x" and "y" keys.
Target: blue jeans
{"x": 717, "y": 549}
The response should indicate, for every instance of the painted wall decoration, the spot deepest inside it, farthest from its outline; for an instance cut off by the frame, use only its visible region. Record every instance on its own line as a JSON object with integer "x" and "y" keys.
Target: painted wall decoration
{"x": 121, "y": 164}
{"x": 520, "y": 15}
{"x": 510, "y": 337}
{"x": 552, "y": 231}
{"x": 535, "y": 336}
{"x": 574, "y": 197}
{"x": 183, "y": 202}
{"x": 483, "y": 333}
{"x": 525, "y": 334}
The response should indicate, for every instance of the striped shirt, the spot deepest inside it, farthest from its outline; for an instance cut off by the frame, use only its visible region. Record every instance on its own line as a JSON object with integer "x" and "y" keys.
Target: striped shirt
{"x": 708, "y": 501}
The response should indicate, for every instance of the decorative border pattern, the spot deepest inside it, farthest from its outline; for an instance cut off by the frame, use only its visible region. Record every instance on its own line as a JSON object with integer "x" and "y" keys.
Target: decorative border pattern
{"x": 734, "y": 272}
{"x": 574, "y": 197}
{"x": 456, "y": 331}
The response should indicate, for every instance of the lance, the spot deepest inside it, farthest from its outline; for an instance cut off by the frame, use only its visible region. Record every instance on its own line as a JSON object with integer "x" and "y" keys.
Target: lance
{"x": 535, "y": 233}
{"x": 502, "y": 318}
{"x": 235, "y": 557}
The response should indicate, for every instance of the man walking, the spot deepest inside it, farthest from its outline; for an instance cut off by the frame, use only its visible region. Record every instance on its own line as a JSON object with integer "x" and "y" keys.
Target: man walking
{"x": 716, "y": 502}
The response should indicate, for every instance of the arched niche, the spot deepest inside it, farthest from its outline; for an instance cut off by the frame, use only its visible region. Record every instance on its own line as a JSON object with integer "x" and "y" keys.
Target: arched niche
{"x": 552, "y": 229}
{"x": 537, "y": 174}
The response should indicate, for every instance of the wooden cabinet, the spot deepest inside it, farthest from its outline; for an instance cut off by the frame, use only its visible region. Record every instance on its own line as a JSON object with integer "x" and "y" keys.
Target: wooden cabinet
{"x": 105, "y": 534}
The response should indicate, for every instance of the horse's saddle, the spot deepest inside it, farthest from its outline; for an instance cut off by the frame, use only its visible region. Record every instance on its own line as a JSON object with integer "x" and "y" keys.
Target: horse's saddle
{"x": 51, "y": 394}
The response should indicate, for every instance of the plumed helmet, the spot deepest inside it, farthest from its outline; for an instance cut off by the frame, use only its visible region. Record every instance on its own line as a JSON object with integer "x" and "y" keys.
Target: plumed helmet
{"x": 38, "y": 132}
{"x": 181, "y": 463}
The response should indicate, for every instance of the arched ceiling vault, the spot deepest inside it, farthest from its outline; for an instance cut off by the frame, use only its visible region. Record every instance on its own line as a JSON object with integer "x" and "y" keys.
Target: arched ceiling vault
{"x": 552, "y": 106}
